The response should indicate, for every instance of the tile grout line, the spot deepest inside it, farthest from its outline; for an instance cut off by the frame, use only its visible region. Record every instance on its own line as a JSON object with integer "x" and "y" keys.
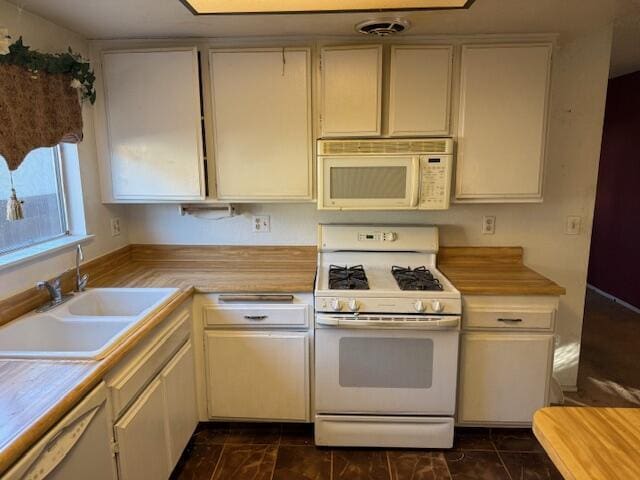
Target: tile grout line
{"x": 386, "y": 453}
{"x": 331, "y": 471}
{"x": 218, "y": 462}
{"x": 446, "y": 464}
{"x": 504, "y": 465}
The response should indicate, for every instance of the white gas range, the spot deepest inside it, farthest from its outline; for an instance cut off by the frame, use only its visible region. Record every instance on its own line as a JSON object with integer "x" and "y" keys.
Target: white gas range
{"x": 386, "y": 343}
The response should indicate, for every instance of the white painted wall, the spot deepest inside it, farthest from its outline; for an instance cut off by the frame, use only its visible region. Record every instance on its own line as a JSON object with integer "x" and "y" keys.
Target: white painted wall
{"x": 580, "y": 72}
{"x": 48, "y": 37}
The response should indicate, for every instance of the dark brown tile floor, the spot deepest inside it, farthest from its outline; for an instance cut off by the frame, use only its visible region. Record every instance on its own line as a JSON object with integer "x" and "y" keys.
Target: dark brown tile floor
{"x": 221, "y": 451}
{"x": 608, "y": 374}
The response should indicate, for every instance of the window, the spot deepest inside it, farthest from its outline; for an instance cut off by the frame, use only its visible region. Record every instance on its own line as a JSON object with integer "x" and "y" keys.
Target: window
{"x": 38, "y": 183}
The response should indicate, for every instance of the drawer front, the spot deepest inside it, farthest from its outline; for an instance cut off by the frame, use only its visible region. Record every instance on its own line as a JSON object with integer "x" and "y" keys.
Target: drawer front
{"x": 256, "y": 316}
{"x": 509, "y": 318}
{"x": 128, "y": 383}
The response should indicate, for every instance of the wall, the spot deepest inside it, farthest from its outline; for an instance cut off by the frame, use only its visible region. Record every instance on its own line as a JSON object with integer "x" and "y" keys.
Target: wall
{"x": 615, "y": 258}
{"x": 48, "y": 37}
{"x": 580, "y": 71}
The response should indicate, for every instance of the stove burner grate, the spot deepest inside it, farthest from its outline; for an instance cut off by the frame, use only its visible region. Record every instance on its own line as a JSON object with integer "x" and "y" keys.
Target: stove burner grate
{"x": 418, "y": 278}
{"x": 347, "y": 278}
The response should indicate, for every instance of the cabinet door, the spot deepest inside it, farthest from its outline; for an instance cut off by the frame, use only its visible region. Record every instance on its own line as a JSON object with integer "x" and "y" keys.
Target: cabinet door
{"x": 152, "y": 103}
{"x": 419, "y": 90}
{"x": 178, "y": 383}
{"x": 502, "y": 122}
{"x": 262, "y": 113}
{"x": 504, "y": 378}
{"x": 258, "y": 375}
{"x": 142, "y": 438}
{"x": 351, "y": 80}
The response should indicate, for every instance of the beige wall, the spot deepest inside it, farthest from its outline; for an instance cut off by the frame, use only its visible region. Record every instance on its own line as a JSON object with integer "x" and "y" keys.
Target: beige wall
{"x": 579, "y": 81}
{"x": 48, "y": 37}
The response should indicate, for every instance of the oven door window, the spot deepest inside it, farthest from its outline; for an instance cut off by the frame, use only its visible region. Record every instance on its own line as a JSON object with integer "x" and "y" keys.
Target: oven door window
{"x": 386, "y": 362}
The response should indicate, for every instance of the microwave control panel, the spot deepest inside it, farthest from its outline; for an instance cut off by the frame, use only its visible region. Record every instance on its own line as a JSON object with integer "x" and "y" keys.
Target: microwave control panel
{"x": 435, "y": 182}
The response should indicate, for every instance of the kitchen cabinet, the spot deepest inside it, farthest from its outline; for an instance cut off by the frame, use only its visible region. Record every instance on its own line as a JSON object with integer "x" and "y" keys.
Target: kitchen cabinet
{"x": 153, "y": 392}
{"x": 504, "y": 378}
{"x": 262, "y": 120}
{"x": 178, "y": 385}
{"x": 351, "y": 91}
{"x": 256, "y": 355}
{"x": 506, "y": 359}
{"x": 502, "y": 122}
{"x": 142, "y": 437}
{"x": 258, "y": 374}
{"x": 420, "y": 90}
{"x": 151, "y": 117}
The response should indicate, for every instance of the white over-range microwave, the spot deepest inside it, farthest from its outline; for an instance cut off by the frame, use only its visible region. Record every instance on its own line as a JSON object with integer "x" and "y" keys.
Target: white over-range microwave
{"x": 385, "y": 174}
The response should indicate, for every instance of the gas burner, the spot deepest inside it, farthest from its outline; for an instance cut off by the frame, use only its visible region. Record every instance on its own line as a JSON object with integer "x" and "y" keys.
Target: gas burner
{"x": 418, "y": 278}
{"x": 347, "y": 278}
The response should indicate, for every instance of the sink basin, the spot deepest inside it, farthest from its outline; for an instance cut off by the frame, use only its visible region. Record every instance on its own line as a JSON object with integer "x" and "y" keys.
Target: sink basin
{"x": 86, "y": 327}
{"x": 47, "y": 336}
{"x": 116, "y": 302}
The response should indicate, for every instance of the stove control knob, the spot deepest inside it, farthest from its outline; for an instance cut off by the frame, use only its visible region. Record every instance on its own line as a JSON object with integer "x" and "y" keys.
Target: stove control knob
{"x": 437, "y": 306}
{"x": 354, "y": 306}
{"x": 419, "y": 306}
{"x": 336, "y": 305}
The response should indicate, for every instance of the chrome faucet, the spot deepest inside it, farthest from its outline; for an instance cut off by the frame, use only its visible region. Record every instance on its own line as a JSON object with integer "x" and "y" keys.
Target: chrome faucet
{"x": 54, "y": 287}
{"x": 81, "y": 280}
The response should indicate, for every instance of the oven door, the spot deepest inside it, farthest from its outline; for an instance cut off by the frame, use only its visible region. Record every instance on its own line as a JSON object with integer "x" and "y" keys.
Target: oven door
{"x": 368, "y": 182}
{"x": 372, "y": 367}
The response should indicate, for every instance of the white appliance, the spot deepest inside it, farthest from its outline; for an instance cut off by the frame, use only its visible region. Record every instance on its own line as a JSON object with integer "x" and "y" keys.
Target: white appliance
{"x": 387, "y": 333}
{"x": 384, "y": 174}
{"x": 80, "y": 446}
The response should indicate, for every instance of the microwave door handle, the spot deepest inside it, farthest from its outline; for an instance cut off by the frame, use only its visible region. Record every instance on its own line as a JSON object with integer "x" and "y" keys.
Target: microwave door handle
{"x": 415, "y": 185}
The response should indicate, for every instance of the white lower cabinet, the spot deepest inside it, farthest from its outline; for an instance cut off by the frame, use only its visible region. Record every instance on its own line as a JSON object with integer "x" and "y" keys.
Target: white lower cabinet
{"x": 258, "y": 374}
{"x": 142, "y": 436}
{"x": 506, "y": 358}
{"x": 154, "y": 431}
{"x": 178, "y": 385}
{"x": 504, "y": 378}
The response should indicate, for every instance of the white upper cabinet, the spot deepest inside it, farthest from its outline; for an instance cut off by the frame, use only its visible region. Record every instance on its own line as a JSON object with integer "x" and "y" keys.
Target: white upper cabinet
{"x": 502, "y": 123}
{"x": 351, "y": 91}
{"x": 262, "y": 121}
{"x": 153, "y": 126}
{"x": 419, "y": 90}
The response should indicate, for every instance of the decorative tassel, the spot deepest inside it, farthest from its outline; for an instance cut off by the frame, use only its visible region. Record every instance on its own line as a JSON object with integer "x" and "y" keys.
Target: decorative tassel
{"x": 14, "y": 206}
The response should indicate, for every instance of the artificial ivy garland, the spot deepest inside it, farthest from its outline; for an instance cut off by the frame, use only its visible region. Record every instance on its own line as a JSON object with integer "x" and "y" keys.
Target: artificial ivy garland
{"x": 64, "y": 63}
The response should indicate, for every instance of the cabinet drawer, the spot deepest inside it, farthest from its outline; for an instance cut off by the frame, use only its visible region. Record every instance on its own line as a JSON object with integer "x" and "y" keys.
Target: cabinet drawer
{"x": 534, "y": 319}
{"x": 256, "y": 316}
{"x": 126, "y": 382}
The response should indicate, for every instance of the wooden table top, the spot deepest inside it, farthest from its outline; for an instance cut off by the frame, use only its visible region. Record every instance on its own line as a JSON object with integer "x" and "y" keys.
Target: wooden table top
{"x": 588, "y": 443}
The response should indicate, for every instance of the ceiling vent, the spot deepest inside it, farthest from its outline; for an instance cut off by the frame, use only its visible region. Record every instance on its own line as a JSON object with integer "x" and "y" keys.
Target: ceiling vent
{"x": 383, "y": 27}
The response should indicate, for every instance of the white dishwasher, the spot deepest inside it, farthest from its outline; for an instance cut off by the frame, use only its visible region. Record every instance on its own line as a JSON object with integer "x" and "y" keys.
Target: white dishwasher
{"x": 79, "y": 447}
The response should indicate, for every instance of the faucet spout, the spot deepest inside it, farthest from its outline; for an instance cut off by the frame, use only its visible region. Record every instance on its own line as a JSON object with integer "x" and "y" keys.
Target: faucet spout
{"x": 81, "y": 280}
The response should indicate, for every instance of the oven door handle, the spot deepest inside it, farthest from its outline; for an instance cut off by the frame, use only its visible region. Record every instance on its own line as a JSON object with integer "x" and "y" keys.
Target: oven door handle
{"x": 438, "y": 323}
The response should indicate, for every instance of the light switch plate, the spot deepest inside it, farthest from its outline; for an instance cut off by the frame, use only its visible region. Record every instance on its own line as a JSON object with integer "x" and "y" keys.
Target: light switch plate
{"x": 115, "y": 226}
{"x": 573, "y": 225}
{"x": 261, "y": 223}
{"x": 488, "y": 225}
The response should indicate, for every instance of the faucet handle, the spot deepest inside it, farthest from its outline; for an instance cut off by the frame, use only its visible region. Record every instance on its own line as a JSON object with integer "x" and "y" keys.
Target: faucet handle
{"x": 82, "y": 282}
{"x": 55, "y": 283}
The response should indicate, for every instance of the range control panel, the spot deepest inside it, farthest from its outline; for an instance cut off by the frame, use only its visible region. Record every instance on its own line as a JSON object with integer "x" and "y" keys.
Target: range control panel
{"x": 377, "y": 236}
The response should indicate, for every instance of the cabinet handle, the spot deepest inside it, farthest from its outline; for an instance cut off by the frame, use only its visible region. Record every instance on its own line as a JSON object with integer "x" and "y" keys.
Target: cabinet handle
{"x": 510, "y": 320}
{"x": 256, "y": 298}
{"x": 255, "y": 317}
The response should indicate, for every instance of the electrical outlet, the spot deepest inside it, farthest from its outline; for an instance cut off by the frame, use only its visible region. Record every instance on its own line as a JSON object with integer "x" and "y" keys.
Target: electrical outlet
{"x": 488, "y": 225}
{"x": 115, "y": 226}
{"x": 572, "y": 227}
{"x": 261, "y": 223}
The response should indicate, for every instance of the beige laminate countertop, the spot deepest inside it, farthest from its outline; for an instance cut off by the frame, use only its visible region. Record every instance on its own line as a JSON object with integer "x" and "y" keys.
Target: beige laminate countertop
{"x": 587, "y": 443}
{"x": 493, "y": 271}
